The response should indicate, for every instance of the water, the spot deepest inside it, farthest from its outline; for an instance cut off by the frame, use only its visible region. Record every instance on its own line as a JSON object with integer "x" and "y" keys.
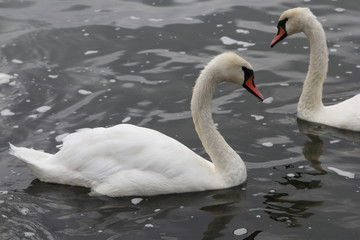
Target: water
{"x": 79, "y": 64}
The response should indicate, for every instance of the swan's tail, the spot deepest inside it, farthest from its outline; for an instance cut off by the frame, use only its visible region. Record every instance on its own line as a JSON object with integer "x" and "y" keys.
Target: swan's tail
{"x": 36, "y": 160}
{"x": 28, "y": 155}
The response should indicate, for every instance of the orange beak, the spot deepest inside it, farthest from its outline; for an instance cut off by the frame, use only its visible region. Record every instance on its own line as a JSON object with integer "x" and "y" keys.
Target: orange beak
{"x": 249, "y": 84}
{"x": 280, "y": 36}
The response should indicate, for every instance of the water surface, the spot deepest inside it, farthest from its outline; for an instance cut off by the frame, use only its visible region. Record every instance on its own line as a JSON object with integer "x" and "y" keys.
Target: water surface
{"x": 79, "y": 64}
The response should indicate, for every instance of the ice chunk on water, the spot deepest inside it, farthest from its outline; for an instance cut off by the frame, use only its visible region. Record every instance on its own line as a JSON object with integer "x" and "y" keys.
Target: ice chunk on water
{"x": 43, "y": 109}
{"x": 5, "y": 78}
{"x": 267, "y": 144}
{"x": 7, "y": 112}
{"x": 257, "y": 117}
{"x": 268, "y": 100}
{"x": 229, "y": 41}
{"x": 240, "y": 231}
{"x": 243, "y": 31}
{"x": 339, "y": 9}
{"x": 136, "y": 200}
{"x": 17, "y": 61}
{"x": 126, "y": 119}
{"x": 342, "y": 172}
{"x": 91, "y": 52}
{"x": 84, "y": 92}
{"x": 29, "y": 234}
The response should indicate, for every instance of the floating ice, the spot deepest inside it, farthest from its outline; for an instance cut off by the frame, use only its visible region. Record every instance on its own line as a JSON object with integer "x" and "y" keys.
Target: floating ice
{"x": 17, "y": 61}
{"x": 24, "y": 211}
{"x": 268, "y": 100}
{"x": 257, "y": 117}
{"x": 339, "y": 10}
{"x": 149, "y": 225}
{"x": 91, "y": 52}
{"x": 240, "y": 231}
{"x": 342, "y": 173}
{"x": 7, "y": 112}
{"x": 136, "y": 201}
{"x": 126, "y": 119}
{"x": 5, "y": 78}
{"x": 243, "y": 31}
{"x": 84, "y": 92}
{"x": 53, "y": 76}
{"x": 43, "y": 109}
{"x": 134, "y": 18}
{"x": 29, "y": 234}
{"x": 230, "y": 41}
{"x": 156, "y": 19}
{"x": 290, "y": 175}
{"x": 335, "y": 141}
{"x": 267, "y": 144}
{"x": 284, "y": 84}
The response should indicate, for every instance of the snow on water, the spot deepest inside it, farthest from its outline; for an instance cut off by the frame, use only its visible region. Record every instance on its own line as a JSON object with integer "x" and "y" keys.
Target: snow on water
{"x": 267, "y": 144}
{"x": 243, "y": 31}
{"x": 342, "y": 172}
{"x": 84, "y": 92}
{"x": 230, "y": 41}
{"x": 17, "y": 61}
{"x": 7, "y": 112}
{"x": 5, "y": 78}
{"x": 126, "y": 119}
{"x": 90, "y": 52}
{"x": 43, "y": 109}
{"x": 136, "y": 201}
{"x": 268, "y": 100}
{"x": 240, "y": 231}
{"x": 257, "y": 117}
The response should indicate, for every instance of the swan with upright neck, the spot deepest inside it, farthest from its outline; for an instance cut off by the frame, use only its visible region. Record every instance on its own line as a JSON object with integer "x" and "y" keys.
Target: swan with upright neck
{"x": 127, "y": 160}
{"x": 344, "y": 115}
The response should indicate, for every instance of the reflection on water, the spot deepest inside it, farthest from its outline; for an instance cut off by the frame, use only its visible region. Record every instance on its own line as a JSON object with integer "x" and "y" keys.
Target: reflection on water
{"x": 99, "y": 63}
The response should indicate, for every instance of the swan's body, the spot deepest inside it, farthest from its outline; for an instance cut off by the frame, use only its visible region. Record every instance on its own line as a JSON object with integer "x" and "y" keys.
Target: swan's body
{"x": 126, "y": 160}
{"x": 346, "y": 114}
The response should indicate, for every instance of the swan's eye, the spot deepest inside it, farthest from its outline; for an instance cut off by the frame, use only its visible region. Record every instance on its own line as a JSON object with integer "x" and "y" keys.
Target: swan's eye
{"x": 282, "y": 24}
{"x": 247, "y": 73}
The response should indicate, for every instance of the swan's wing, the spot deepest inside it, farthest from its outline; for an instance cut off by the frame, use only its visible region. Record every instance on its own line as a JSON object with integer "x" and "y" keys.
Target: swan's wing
{"x": 345, "y": 114}
{"x": 127, "y": 153}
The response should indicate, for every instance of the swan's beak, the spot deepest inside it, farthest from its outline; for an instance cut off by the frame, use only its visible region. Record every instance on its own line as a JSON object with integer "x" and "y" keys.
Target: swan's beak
{"x": 280, "y": 36}
{"x": 249, "y": 84}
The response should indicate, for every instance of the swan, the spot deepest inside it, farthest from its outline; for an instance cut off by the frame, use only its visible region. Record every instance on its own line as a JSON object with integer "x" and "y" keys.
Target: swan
{"x": 127, "y": 160}
{"x": 343, "y": 115}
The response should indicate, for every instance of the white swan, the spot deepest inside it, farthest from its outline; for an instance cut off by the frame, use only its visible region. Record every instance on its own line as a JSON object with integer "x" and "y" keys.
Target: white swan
{"x": 126, "y": 160}
{"x": 344, "y": 115}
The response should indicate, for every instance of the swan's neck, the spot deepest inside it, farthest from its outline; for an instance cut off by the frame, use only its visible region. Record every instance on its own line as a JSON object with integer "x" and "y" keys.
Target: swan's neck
{"x": 227, "y": 162}
{"x": 311, "y": 97}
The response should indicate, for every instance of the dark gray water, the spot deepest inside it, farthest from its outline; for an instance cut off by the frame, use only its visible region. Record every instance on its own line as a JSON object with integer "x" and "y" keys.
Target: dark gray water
{"x": 84, "y": 63}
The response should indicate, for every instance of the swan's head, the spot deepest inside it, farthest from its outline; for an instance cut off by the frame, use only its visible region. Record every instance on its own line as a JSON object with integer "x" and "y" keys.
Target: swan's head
{"x": 292, "y": 21}
{"x": 230, "y": 67}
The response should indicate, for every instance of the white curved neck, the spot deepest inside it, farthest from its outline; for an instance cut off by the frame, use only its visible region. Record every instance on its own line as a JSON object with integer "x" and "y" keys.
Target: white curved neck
{"x": 311, "y": 97}
{"x": 227, "y": 162}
